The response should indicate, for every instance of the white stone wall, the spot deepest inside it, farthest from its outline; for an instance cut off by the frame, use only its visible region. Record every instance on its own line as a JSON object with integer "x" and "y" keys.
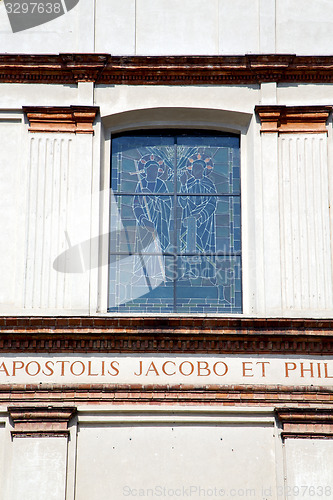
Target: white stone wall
{"x": 306, "y": 271}
{"x": 10, "y": 160}
{"x": 55, "y": 196}
{"x": 127, "y": 451}
{"x": 198, "y": 451}
{"x": 55, "y": 188}
{"x": 54, "y": 202}
{"x": 38, "y": 468}
{"x": 307, "y": 463}
{"x": 161, "y": 27}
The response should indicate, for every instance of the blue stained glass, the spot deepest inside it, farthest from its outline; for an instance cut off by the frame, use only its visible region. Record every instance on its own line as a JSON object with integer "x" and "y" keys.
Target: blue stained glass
{"x": 141, "y": 283}
{"x": 141, "y": 160}
{"x": 175, "y": 224}
{"x": 212, "y": 230}
{"x": 215, "y": 163}
{"x": 141, "y": 223}
{"x": 210, "y": 285}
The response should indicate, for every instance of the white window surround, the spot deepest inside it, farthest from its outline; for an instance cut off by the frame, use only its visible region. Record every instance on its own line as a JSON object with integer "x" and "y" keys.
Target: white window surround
{"x": 276, "y": 283}
{"x": 196, "y": 119}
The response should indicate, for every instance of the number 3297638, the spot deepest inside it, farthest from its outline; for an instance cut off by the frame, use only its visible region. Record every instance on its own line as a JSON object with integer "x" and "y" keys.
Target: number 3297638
{"x": 33, "y": 8}
{"x": 305, "y": 491}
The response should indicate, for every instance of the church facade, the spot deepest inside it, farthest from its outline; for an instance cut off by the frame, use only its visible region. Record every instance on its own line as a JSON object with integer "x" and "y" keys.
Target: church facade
{"x": 166, "y": 259}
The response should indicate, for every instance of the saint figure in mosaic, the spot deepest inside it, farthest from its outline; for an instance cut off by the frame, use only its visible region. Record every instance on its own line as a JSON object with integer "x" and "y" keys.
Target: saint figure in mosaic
{"x": 198, "y": 231}
{"x": 153, "y": 213}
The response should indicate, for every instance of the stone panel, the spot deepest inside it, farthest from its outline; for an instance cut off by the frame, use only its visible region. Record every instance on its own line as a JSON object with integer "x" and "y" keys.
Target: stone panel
{"x": 305, "y": 223}
{"x": 304, "y": 27}
{"x": 308, "y": 465}
{"x": 175, "y": 456}
{"x": 239, "y": 27}
{"x": 47, "y": 211}
{"x": 115, "y": 27}
{"x": 172, "y": 27}
{"x": 38, "y": 469}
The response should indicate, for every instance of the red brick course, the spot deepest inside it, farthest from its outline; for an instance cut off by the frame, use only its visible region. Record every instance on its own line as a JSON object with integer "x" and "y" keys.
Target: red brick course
{"x": 283, "y": 397}
{"x": 306, "y": 422}
{"x": 160, "y": 334}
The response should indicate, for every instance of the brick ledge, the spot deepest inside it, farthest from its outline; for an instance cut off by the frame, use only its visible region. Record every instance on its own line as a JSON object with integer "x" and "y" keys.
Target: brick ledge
{"x": 166, "y": 335}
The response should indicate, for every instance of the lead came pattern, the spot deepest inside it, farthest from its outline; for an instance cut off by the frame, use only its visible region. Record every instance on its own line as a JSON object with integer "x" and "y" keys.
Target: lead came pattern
{"x": 175, "y": 224}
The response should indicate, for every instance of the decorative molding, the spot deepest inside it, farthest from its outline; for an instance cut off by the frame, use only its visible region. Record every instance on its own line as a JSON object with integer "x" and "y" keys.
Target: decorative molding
{"x": 164, "y": 70}
{"x": 306, "y": 422}
{"x": 163, "y": 335}
{"x": 71, "y": 119}
{"x": 49, "y": 160}
{"x": 40, "y": 421}
{"x": 101, "y": 395}
{"x": 302, "y": 181}
{"x": 293, "y": 119}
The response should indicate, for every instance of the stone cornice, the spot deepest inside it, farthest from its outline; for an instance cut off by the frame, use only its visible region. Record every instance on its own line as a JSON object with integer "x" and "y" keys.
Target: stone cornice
{"x": 283, "y": 398}
{"x": 164, "y": 335}
{"x": 36, "y": 421}
{"x": 306, "y": 422}
{"x": 293, "y": 119}
{"x": 70, "y": 119}
{"x": 164, "y": 70}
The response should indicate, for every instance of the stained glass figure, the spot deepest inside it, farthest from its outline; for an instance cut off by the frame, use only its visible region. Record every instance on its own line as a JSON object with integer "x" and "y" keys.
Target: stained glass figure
{"x": 153, "y": 215}
{"x": 197, "y": 233}
{"x": 152, "y": 212}
{"x": 175, "y": 223}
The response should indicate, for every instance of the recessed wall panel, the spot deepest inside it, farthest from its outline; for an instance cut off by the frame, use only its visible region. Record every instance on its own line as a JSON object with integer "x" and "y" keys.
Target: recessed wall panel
{"x": 168, "y": 459}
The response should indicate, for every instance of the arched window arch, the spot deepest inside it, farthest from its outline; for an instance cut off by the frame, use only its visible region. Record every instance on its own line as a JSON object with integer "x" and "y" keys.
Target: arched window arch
{"x": 175, "y": 235}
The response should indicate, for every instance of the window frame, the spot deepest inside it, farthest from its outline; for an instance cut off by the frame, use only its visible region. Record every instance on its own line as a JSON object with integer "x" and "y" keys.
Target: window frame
{"x": 178, "y": 258}
{"x": 223, "y": 122}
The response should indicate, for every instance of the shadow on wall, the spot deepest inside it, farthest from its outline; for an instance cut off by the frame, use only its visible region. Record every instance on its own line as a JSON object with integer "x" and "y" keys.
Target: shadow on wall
{"x": 26, "y": 15}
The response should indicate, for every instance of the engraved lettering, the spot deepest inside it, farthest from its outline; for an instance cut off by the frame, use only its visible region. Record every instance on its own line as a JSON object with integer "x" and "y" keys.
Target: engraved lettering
{"x": 247, "y": 368}
{"x": 3, "y": 368}
{"x": 326, "y": 370}
{"x": 140, "y": 372}
{"x": 47, "y": 365}
{"x": 263, "y": 368}
{"x": 164, "y": 368}
{"x": 62, "y": 367}
{"x": 37, "y": 368}
{"x": 114, "y": 366}
{"x": 203, "y": 365}
{"x": 152, "y": 368}
{"x": 89, "y": 370}
{"x": 225, "y": 368}
{"x": 186, "y": 363}
{"x": 17, "y": 365}
{"x": 82, "y": 368}
{"x": 306, "y": 370}
{"x": 289, "y": 367}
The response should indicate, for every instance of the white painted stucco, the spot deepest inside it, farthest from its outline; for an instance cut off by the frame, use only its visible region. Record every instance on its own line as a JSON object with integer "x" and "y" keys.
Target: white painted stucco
{"x": 151, "y": 27}
{"x": 56, "y": 194}
{"x": 175, "y": 456}
{"x": 55, "y": 199}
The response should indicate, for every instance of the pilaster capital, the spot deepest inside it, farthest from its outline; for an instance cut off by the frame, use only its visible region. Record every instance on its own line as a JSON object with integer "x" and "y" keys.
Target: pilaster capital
{"x": 306, "y": 422}
{"x": 41, "y": 421}
{"x": 67, "y": 119}
{"x": 293, "y": 119}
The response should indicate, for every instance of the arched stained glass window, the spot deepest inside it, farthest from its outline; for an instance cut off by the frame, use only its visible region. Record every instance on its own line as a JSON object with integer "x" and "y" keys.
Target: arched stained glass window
{"x": 175, "y": 235}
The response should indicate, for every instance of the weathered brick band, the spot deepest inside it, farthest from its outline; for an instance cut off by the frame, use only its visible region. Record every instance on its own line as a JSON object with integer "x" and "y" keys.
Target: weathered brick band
{"x": 217, "y": 395}
{"x": 166, "y": 335}
{"x": 33, "y": 421}
{"x": 306, "y": 422}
